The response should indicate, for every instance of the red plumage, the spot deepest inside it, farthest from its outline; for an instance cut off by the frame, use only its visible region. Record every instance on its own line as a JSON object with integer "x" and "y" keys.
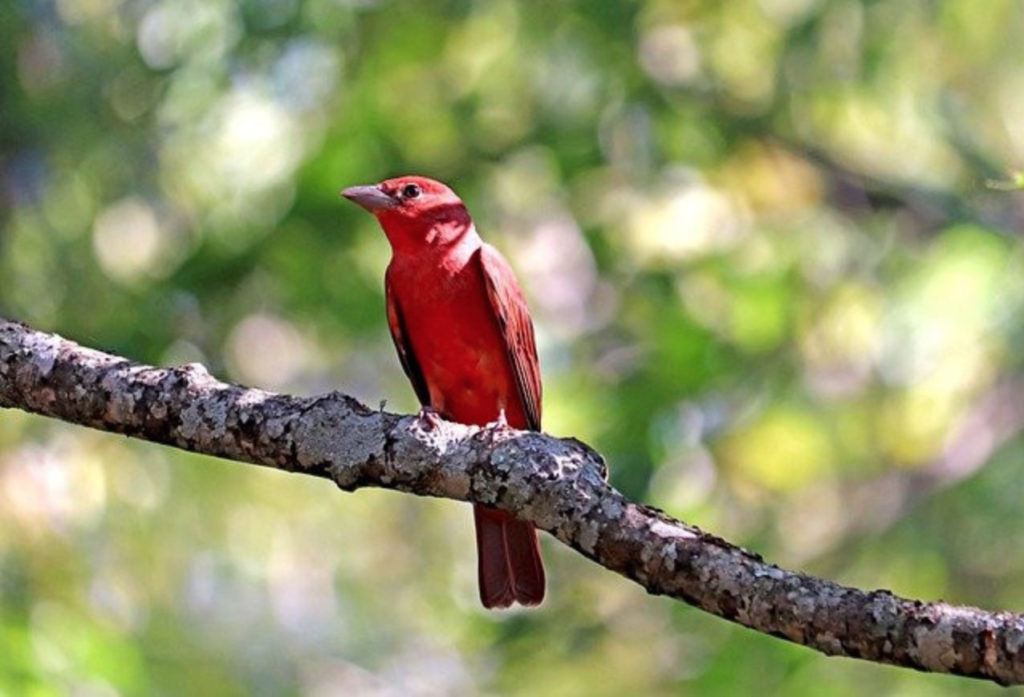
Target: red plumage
{"x": 465, "y": 339}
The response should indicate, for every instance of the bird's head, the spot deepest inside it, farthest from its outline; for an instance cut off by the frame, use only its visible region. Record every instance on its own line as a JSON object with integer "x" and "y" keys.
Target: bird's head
{"x": 414, "y": 211}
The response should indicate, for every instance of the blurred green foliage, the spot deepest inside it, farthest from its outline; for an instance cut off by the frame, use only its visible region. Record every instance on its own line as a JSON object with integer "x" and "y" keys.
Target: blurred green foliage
{"x": 769, "y": 281}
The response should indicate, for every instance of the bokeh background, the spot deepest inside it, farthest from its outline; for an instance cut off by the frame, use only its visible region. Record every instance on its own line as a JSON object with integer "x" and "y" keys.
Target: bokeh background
{"x": 770, "y": 283}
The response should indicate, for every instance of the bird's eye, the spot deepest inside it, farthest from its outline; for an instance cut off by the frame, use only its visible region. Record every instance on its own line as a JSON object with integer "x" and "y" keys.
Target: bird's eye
{"x": 410, "y": 191}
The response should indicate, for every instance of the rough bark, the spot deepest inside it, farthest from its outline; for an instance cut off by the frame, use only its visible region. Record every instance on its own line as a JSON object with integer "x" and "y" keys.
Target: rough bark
{"x": 558, "y": 484}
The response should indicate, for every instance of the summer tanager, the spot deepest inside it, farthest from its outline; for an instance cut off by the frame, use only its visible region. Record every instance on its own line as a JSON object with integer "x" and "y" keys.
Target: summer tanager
{"x": 465, "y": 339}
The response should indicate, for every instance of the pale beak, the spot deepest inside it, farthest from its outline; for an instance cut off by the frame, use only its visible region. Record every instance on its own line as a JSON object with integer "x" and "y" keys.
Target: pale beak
{"x": 372, "y": 198}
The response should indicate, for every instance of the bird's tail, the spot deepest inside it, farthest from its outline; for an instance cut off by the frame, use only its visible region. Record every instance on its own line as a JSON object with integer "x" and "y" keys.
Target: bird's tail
{"x": 508, "y": 560}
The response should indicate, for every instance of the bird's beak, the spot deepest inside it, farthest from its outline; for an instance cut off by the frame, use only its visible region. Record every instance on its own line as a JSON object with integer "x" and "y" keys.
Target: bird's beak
{"x": 372, "y": 198}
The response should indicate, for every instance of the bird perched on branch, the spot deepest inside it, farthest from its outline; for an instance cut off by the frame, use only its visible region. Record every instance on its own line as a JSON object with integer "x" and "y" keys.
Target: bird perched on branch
{"x": 465, "y": 339}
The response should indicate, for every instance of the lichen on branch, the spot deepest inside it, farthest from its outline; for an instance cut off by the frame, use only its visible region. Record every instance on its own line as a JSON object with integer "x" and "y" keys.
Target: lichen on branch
{"x": 559, "y": 484}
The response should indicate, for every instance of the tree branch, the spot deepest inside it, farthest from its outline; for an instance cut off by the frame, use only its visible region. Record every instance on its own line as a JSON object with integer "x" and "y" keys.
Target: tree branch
{"x": 558, "y": 484}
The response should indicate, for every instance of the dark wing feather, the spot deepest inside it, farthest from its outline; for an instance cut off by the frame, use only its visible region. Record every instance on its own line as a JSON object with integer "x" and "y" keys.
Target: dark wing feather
{"x": 405, "y": 353}
{"x": 513, "y": 317}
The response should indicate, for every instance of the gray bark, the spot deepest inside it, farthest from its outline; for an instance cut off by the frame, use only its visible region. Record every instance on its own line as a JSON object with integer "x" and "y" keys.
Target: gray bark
{"x": 558, "y": 484}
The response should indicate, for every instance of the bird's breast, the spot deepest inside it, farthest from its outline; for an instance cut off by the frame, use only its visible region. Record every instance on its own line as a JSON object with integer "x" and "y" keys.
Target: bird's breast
{"x": 458, "y": 344}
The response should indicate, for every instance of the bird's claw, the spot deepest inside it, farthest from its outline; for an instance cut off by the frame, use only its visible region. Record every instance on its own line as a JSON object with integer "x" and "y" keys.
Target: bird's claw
{"x": 499, "y": 424}
{"x": 428, "y": 416}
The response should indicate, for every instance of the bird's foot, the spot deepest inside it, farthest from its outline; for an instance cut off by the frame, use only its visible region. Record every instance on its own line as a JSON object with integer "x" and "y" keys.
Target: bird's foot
{"x": 428, "y": 416}
{"x": 499, "y": 424}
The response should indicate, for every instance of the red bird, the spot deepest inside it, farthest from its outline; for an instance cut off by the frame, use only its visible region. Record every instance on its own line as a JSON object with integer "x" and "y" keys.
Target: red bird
{"x": 465, "y": 339}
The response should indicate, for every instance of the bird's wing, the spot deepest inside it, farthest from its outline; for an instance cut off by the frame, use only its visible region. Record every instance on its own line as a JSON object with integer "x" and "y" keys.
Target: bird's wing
{"x": 405, "y": 352}
{"x": 513, "y": 317}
